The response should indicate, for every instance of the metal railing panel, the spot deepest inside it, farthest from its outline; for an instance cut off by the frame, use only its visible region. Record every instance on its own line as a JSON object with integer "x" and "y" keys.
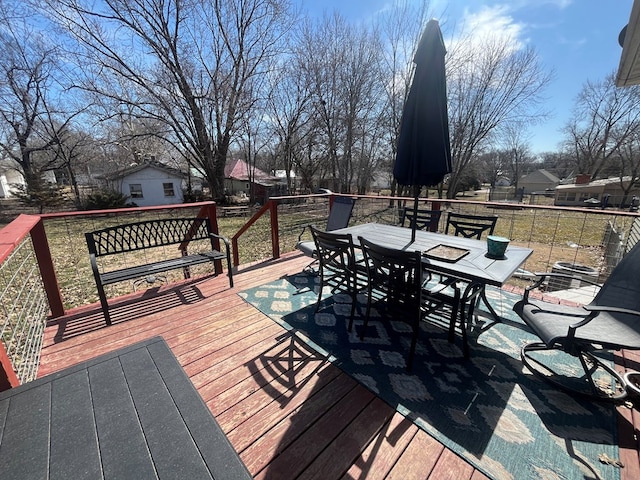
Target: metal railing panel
{"x": 24, "y": 308}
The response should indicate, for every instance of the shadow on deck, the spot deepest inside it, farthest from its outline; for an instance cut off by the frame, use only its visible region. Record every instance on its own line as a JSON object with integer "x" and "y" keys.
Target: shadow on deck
{"x": 287, "y": 411}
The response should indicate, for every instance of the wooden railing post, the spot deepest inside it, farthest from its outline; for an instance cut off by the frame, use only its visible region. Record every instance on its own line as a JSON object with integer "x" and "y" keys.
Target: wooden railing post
{"x": 8, "y": 377}
{"x": 275, "y": 232}
{"x": 272, "y": 207}
{"x": 47, "y": 271}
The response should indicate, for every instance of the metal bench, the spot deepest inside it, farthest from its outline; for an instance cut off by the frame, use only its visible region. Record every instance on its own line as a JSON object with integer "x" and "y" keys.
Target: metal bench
{"x": 151, "y": 234}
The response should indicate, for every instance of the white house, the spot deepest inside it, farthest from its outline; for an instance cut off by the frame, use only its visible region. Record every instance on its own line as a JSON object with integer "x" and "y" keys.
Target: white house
{"x": 9, "y": 177}
{"x": 149, "y": 183}
{"x": 11, "y": 174}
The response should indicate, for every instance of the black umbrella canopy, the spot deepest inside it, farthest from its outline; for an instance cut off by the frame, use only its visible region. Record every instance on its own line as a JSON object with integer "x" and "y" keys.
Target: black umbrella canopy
{"x": 424, "y": 152}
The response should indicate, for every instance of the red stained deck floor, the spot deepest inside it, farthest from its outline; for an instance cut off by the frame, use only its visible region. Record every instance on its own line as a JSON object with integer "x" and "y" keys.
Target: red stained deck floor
{"x": 286, "y": 411}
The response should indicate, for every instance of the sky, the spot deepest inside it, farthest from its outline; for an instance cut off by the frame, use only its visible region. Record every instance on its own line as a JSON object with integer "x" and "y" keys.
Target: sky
{"x": 576, "y": 39}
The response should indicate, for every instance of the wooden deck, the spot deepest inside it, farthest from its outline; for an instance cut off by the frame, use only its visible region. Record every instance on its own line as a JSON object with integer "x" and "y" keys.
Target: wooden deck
{"x": 286, "y": 411}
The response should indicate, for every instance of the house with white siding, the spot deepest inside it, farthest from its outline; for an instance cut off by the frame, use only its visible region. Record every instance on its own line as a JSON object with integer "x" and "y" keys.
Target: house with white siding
{"x": 149, "y": 183}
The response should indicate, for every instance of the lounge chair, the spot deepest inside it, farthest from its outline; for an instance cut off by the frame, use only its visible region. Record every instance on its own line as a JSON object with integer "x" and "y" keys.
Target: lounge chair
{"x": 610, "y": 322}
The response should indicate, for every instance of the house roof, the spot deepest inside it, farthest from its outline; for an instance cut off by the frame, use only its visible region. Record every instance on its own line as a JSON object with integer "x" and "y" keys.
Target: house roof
{"x": 237, "y": 169}
{"x": 141, "y": 166}
{"x": 539, "y": 175}
{"x": 594, "y": 183}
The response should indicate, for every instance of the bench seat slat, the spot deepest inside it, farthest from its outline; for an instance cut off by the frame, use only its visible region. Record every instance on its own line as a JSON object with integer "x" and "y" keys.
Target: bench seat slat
{"x": 139, "y": 271}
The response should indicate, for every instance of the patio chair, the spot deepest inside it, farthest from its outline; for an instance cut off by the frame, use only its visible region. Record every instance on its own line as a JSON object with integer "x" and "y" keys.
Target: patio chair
{"x": 395, "y": 285}
{"x": 427, "y": 220}
{"x": 610, "y": 322}
{"x": 339, "y": 269}
{"x": 339, "y": 217}
{"x": 470, "y": 226}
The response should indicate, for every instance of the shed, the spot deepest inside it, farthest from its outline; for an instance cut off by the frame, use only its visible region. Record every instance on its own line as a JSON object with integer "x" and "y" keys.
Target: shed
{"x": 240, "y": 179}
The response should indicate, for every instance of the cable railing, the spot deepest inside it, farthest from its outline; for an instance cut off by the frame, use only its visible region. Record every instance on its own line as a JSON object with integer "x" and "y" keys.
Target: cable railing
{"x": 24, "y": 305}
{"x": 45, "y": 269}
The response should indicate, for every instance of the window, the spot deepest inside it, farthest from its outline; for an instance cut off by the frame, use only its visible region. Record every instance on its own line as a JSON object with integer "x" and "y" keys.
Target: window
{"x": 135, "y": 190}
{"x": 168, "y": 189}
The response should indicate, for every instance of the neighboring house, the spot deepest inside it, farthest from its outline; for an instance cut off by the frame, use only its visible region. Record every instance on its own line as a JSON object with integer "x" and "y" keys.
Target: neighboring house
{"x": 149, "y": 183}
{"x": 538, "y": 182}
{"x": 282, "y": 176}
{"x": 262, "y": 185}
{"x": 502, "y": 181}
{"x": 10, "y": 174}
{"x": 584, "y": 192}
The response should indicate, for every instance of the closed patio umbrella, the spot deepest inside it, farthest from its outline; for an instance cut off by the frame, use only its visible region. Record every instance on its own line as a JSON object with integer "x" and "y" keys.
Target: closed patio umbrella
{"x": 424, "y": 153}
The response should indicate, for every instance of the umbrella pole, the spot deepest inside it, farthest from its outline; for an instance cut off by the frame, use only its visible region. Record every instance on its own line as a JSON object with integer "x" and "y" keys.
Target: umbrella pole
{"x": 416, "y": 193}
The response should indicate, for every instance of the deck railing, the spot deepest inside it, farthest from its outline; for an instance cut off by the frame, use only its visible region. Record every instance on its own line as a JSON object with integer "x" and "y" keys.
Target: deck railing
{"x": 589, "y": 239}
{"x": 45, "y": 269}
{"x": 25, "y": 300}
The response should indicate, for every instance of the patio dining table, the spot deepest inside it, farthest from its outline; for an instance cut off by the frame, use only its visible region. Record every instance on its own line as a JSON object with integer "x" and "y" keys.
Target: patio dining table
{"x": 473, "y": 266}
{"x": 129, "y": 414}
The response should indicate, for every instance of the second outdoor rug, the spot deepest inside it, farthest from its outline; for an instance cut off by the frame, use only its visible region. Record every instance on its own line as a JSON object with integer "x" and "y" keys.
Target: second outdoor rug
{"x": 488, "y": 409}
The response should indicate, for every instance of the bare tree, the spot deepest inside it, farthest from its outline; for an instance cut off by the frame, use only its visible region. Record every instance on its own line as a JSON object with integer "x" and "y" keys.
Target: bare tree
{"x": 341, "y": 64}
{"x": 490, "y": 85}
{"x": 604, "y": 117}
{"x": 30, "y": 115}
{"x": 628, "y": 155}
{"x": 188, "y": 63}
{"x": 517, "y": 151}
{"x": 289, "y": 106}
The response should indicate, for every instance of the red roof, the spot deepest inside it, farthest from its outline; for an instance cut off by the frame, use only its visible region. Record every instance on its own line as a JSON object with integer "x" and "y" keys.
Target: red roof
{"x": 239, "y": 170}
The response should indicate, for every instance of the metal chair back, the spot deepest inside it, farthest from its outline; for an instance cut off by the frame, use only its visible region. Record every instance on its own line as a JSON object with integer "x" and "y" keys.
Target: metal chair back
{"x": 395, "y": 282}
{"x": 426, "y": 220}
{"x": 340, "y": 213}
{"x": 470, "y": 226}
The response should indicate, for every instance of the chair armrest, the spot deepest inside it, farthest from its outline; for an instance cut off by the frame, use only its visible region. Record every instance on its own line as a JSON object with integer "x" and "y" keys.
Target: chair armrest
{"x": 304, "y": 227}
{"x": 604, "y": 308}
{"x": 594, "y": 311}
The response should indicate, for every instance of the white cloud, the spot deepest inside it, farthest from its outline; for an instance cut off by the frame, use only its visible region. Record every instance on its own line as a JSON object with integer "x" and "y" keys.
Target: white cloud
{"x": 491, "y": 22}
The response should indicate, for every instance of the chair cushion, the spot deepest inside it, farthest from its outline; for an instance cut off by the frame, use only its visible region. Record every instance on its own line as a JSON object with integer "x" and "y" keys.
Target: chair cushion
{"x": 308, "y": 248}
{"x": 551, "y": 323}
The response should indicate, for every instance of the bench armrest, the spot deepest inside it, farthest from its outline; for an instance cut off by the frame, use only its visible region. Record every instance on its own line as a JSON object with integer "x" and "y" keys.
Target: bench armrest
{"x": 226, "y": 241}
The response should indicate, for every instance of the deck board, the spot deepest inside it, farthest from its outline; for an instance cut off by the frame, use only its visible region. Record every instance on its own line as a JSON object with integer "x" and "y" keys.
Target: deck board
{"x": 285, "y": 409}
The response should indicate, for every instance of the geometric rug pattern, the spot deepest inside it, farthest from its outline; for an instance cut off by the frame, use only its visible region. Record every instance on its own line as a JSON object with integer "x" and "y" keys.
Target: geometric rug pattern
{"x": 489, "y": 409}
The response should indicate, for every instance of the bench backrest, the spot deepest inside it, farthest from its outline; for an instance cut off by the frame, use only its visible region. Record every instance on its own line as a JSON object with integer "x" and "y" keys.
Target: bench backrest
{"x": 147, "y": 234}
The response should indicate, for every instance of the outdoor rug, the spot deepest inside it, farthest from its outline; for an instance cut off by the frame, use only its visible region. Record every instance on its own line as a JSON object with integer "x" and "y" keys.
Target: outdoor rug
{"x": 489, "y": 409}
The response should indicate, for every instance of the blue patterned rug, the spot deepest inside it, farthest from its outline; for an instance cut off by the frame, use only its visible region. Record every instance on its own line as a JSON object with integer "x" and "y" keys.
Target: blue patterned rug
{"x": 488, "y": 409}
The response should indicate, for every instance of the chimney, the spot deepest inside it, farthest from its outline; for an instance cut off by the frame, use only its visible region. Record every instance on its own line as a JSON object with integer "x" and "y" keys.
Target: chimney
{"x": 583, "y": 178}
